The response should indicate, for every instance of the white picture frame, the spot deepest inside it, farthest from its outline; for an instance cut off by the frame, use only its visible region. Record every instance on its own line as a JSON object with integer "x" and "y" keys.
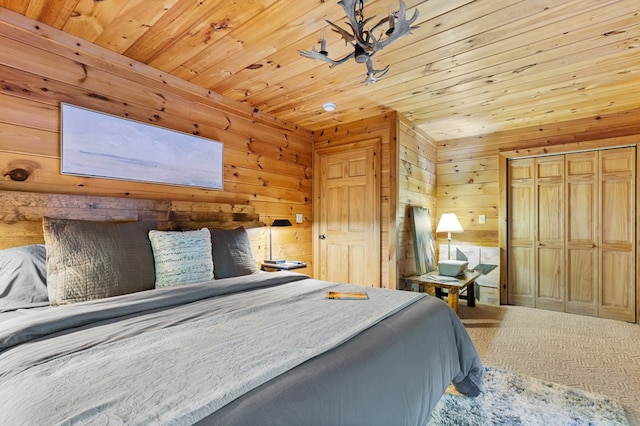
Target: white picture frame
{"x": 101, "y": 145}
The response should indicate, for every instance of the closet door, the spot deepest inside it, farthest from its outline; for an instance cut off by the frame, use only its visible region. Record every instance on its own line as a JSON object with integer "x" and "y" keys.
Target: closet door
{"x": 521, "y": 233}
{"x": 571, "y": 225}
{"x": 617, "y": 253}
{"x": 582, "y": 233}
{"x": 550, "y": 233}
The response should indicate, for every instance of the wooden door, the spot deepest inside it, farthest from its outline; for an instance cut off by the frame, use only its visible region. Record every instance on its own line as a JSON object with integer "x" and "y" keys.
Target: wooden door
{"x": 521, "y": 233}
{"x": 617, "y": 235}
{"x": 549, "y": 238}
{"x": 348, "y": 244}
{"x": 582, "y": 233}
{"x": 576, "y": 255}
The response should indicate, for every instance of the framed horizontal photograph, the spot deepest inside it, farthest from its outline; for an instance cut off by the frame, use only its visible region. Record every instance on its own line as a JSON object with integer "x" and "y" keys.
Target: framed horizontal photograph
{"x": 101, "y": 145}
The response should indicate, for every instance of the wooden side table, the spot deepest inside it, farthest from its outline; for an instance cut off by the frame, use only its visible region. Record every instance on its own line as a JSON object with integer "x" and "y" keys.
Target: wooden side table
{"x": 282, "y": 266}
{"x": 453, "y": 285}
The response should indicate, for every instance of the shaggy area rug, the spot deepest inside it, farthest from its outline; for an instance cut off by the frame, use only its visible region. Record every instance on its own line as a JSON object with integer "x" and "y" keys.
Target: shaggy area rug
{"x": 514, "y": 399}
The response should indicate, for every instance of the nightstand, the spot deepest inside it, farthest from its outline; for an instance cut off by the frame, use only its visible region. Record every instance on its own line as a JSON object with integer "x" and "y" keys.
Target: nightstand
{"x": 453, "y": 285}
{"x": 282, "y": 266}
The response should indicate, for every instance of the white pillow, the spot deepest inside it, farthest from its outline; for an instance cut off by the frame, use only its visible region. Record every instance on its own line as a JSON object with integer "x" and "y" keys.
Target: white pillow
{"x": 182, "y": 257}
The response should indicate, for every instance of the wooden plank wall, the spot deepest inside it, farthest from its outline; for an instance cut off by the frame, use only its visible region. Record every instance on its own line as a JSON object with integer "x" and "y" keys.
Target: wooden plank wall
{"x": 21, "y": 215}
{"x": 469, "y": 172}
{"x": 417, "y": 187}
{"x": 267, "y": 163}
{"x": 383, "y": 127}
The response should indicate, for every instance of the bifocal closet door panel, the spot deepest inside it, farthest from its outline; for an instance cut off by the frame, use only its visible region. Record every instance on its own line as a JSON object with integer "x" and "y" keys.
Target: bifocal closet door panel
{"x": 521, "y": 233}
{"x": 550, "y": 233}
{"x": 617, "y": 248}
{"x": 582, "y": 233}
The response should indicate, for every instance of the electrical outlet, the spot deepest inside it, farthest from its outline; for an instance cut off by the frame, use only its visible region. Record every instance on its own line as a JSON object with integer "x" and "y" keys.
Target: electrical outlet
{"x": 299, "y": 218}
{"x": 482, "y": 219}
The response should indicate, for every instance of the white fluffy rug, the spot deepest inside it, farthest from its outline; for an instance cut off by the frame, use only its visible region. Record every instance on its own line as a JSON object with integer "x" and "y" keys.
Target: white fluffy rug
{"x": 514, "y": 399}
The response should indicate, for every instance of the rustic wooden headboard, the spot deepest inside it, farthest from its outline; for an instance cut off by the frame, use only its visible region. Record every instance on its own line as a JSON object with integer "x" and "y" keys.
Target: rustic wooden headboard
{"x": 21, "y": 215}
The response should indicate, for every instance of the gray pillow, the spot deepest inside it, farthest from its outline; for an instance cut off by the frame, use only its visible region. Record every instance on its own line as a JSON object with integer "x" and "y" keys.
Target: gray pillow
{"x": 23, "y": 277}
{"x": 93, "y": 260}
{"x": 232, "y": 253}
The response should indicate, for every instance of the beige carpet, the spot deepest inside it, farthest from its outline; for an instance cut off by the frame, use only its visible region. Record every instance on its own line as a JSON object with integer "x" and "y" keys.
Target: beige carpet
{"x": 591, "y": 354}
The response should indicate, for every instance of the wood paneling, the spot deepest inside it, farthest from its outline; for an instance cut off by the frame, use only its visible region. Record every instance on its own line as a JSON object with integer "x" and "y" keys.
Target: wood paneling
{"x": 21, "y": 215}
{"x": 469, "y": 188}
{"x": 267, "y": 162}
{"x": 417, "y": 187}
{"x": 469, "y": 68}
{"x": 481, "y": 78}
{"x": 611, "y": 130}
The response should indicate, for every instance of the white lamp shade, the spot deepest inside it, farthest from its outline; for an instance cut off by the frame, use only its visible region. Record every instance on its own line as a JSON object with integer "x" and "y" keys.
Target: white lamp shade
{"x": 449, "y": 223}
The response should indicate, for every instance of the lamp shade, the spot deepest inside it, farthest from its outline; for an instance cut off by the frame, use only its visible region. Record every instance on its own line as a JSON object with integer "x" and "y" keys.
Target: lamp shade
{"x": 281, "y": 222}
{"x": 276, "y": 222}
{"x": 449, "y": 223}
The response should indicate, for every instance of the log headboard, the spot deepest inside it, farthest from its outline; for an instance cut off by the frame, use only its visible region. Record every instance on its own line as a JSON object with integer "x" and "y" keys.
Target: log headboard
{"x": 21, "y": 215}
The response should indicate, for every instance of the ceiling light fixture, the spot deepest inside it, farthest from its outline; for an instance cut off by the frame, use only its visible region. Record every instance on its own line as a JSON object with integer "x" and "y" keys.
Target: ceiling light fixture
{"x": 329, "y": 107}
{"x": 366, "y": 42}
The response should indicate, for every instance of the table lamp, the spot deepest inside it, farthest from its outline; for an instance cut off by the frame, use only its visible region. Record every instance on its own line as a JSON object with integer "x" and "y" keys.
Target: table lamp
{"x": 277, "y": 222}
{"x": 449, "y": 223}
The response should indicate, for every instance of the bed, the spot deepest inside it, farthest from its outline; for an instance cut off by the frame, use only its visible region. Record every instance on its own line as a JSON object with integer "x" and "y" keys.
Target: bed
{"x": 119, "y": 323}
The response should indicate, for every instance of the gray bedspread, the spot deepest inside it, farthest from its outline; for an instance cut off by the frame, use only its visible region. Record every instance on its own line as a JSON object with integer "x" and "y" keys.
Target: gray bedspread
{"x": 262, "y": 349}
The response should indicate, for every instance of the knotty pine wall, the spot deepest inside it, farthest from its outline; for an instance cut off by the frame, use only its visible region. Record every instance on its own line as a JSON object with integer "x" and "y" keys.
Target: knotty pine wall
{"x": 267, "y": 163}
{"x": 417, "y": 187}
{"x": 469, "y": 171}
{"x": 408, "y": 170}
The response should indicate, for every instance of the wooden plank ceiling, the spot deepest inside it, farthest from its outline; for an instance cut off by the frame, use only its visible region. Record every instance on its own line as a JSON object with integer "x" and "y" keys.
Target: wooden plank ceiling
{"x": 473, "y": 67}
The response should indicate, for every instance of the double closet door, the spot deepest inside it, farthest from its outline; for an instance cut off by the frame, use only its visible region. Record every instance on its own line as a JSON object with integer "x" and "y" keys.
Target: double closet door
{"x": 571, "y": 233}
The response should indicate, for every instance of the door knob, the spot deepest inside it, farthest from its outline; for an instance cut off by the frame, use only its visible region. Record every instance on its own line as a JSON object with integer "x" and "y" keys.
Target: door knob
{"x": 322, "y": 237}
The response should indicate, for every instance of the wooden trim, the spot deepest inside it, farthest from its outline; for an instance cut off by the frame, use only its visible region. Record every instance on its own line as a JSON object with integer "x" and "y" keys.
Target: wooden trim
{"x": 21, "y": 215}
{"x": 573, "y": 147}
{"x": 637, "y": 319}
{"x": 394, "y": 190}
{"x": 315, "y": 231}
{"x": 339, "y": 136}
{"x": 369, "y": 142}
{"x": 503, "y": 183}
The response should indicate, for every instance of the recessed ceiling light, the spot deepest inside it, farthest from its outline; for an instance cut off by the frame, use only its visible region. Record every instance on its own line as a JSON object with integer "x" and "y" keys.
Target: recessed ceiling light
{"x": 329, "y": 106}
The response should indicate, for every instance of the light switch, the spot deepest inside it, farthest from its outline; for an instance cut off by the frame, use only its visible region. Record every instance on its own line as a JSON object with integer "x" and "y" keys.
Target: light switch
{"x": 299, "y": 218}
{"x": 482, "y": 219}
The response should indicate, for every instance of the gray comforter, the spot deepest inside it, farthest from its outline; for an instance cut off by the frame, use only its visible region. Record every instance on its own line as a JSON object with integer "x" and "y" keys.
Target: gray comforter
{"x": 262, "y": 349}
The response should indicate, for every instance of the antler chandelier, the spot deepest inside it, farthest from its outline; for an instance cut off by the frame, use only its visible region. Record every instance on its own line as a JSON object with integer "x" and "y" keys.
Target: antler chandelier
{"x": 366, "y": 42}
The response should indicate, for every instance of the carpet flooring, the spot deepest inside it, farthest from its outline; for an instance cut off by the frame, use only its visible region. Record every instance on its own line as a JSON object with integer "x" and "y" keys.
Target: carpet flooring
{"x": 590, "y": 354}
{"x": 511, "y": 399}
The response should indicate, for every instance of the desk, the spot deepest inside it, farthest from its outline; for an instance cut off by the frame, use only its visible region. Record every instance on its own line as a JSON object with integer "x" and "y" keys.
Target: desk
{"x": 453, "y": 285}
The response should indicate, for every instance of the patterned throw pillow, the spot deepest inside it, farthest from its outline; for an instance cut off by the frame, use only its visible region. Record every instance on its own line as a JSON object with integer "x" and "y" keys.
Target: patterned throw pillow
{"x": 182, "y": 257}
